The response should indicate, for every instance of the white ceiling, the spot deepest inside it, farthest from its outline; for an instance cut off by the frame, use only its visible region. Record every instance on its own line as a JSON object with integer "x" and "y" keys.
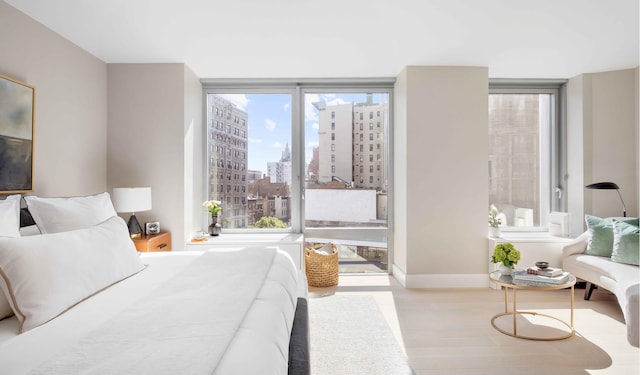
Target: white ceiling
{"x": 351, "y": 38}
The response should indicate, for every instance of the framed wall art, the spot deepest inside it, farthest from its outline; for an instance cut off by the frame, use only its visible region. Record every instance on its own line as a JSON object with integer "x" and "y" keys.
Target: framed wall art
{"x": 17, "y": 120}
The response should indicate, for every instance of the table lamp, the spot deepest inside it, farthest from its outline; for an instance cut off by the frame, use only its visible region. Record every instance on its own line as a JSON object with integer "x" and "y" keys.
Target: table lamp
{"x": 132, "y": 200}
{"x": 609, "y": 186}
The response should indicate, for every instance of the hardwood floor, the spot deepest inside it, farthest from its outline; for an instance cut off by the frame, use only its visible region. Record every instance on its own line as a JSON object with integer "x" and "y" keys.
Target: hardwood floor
{"x": 448, "y": 331}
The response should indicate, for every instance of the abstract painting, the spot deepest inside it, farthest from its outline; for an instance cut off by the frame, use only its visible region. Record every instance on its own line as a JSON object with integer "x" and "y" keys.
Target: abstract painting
{"x": 17, "y": 109}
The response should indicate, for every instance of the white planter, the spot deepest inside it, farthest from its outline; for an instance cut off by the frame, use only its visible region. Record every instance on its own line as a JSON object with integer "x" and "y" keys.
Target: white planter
{"x": 494, "y": 232}
{"x": 506, "y": 271}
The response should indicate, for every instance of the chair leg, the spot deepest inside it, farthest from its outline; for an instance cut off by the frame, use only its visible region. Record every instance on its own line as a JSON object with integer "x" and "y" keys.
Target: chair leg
{"x": 588, "y": 289}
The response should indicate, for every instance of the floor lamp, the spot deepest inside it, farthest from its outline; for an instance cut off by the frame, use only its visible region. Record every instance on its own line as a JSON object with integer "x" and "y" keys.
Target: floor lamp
{"x": 609, "y": 186}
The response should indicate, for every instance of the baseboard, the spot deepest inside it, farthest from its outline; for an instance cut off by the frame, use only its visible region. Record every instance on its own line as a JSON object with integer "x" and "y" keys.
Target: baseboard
{"x": 399, "y": 275}
{"x": 441, "y": 280}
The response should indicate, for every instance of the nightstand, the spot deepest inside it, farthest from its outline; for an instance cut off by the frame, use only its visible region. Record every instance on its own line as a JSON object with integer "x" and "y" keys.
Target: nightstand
{"x": 153, "y": 242}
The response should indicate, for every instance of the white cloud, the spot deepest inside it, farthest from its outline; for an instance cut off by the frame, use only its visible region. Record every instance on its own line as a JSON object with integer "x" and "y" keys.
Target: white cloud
{"x": 336, "y": 101}
{"x": 310, "y": 113}
{"x": 276, "y": 145}
{"x": 312, "y": 144}
{"x": 255, "y": 140}
{"x": 287, "y": 107}
{"x": 270, "y": 125}
{"x": 240, "y": 100}
{"x": 315, "y": 126}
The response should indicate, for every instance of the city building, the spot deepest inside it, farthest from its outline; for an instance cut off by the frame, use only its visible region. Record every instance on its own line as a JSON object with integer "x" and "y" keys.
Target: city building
{"x": 227, "y": 134}
{"x": 335, "y": 138}
{"x": 280, "y": 171}
{"x": 313, "y": 168}
{"x": 369, "y": 147}
{"x": 514, "y": 156}
{"x": 352, "y": 145}
{"x": 253, "y": 176}
{"x": 266, "y": 198}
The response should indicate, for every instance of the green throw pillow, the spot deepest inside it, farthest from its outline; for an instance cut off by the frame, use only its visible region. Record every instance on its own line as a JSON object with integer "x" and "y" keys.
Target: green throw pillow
{"x": 626, "y": 243}
{"x": 601, "y": 235}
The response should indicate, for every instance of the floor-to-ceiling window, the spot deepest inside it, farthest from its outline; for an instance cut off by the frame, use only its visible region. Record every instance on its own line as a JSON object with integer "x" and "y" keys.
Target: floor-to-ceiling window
{"x": 308, "y": 157}
{"x": 526, "y": 151}
{"x": 346, "y": 189}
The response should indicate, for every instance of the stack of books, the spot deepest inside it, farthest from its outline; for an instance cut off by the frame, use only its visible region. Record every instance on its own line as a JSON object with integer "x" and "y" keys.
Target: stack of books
{"x": 546, "y": 275}
{"x": 544, "y": 271}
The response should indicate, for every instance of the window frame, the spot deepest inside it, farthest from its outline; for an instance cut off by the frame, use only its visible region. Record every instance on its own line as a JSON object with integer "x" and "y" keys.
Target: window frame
{"x": 554, "y": 183}
{"x": 226, "y": 87}
{"x": 298, "y": 88}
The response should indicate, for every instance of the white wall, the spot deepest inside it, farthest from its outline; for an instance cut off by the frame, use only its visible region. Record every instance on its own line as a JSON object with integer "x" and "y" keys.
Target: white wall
{"x": 613, "y": 108}
{"x": 602, "y": 133}
{"x": 153, "y": 117}
{"x": 398, "y": 241}
{"x": 577, "y": 114}
{"x": 155, "y": 123}
{"x": 440, "y": 161}
{"x": 194, "y": 173}
{"x": 71, "y": 107}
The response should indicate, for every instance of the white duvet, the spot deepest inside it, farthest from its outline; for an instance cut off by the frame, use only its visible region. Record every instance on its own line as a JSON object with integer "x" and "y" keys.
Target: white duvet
{"x": 222, "y": 312}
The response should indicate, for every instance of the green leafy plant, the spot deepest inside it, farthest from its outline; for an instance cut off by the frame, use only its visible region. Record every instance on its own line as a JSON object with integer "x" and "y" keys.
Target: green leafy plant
{"x": 506, "y": 254}
{"x": 214, "y": 207}
{"x": 270, "y": 222}
{"x": 494, "y": 221}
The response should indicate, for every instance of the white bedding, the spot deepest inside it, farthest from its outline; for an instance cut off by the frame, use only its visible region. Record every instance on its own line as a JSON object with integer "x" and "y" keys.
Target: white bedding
{"x": 158, "y": 321}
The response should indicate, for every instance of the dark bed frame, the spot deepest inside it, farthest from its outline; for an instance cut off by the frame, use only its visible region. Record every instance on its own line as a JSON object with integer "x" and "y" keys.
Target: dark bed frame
{"x": 299, "y": 363}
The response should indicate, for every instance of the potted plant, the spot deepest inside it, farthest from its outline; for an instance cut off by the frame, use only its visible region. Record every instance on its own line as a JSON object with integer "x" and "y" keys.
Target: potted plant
{"x": 506, "y": 256}
{"x": 214, "y": 207}
{"x": 494, "y": 222}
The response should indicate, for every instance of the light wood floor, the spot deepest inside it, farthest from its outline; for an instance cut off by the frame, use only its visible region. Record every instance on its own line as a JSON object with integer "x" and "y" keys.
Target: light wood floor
{"x": 448, "y": 331}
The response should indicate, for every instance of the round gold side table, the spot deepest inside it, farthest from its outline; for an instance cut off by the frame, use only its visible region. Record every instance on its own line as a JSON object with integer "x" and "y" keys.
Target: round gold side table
{"x": 507, "y": 282}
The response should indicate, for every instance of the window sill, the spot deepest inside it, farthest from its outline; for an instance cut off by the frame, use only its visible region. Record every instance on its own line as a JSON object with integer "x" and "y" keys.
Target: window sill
{"x": 529, "y": 236}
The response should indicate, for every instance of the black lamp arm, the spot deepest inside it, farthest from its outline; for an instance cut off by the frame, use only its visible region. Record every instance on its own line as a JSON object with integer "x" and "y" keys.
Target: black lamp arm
{"x": 624, "y": 209}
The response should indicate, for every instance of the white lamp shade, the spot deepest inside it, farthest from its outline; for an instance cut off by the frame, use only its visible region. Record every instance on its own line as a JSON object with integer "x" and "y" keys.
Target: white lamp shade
{"x": 132, "y": 199}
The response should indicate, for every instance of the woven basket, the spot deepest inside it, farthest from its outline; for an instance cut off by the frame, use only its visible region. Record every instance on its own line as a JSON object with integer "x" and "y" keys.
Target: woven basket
{"x": 321, "y": 269}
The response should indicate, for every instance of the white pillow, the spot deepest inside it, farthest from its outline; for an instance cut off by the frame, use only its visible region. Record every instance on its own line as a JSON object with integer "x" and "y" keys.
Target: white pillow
{"x": 9, "y": 227}
{"x": 53, "y": 215}
{"x": 10, "y": 216}
{"x": 31, "y": 230}
{"x": 43, "y": 276}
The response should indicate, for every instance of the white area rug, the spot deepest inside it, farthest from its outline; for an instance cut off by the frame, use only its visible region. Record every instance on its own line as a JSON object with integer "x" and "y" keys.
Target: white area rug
{"x": 349, "y": 335}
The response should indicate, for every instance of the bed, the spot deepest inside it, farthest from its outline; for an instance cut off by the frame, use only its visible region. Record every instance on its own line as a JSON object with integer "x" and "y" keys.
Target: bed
{"x": 113, "y": 310}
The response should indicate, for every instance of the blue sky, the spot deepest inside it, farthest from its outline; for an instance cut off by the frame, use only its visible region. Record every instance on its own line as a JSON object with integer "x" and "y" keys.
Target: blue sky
{"x": 270, "y": 123}
{"x": 269, "y": 126}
